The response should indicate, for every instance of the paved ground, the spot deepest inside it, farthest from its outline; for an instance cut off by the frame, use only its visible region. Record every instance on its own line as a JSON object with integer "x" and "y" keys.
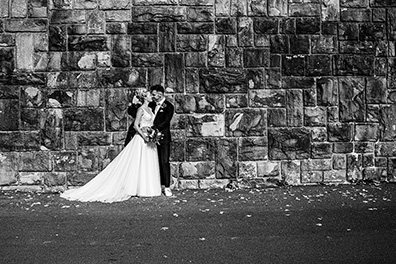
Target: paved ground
{"x": 325, "y": 224}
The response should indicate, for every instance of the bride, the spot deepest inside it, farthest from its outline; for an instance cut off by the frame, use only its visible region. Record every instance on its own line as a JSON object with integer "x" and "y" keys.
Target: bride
{"x": 134, "y": 172}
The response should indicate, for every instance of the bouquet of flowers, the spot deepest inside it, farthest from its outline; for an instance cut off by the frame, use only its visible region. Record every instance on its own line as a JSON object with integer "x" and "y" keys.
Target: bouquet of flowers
{"x": 154, "y": 135}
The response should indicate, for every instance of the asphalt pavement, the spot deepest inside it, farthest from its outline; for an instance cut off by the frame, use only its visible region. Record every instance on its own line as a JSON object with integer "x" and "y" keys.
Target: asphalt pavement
{"x": 310, "y": 224}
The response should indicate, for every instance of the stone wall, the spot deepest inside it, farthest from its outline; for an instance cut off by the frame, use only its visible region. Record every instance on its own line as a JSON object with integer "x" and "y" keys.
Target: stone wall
{"x": 266, "y": 91}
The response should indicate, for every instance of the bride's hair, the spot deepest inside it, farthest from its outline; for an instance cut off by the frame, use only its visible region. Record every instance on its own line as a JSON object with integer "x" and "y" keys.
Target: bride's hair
{"x": 139, "y": 95}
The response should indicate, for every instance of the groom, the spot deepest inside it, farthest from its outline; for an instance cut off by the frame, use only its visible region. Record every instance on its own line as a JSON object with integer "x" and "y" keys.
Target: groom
{"x": 163, "y": 111}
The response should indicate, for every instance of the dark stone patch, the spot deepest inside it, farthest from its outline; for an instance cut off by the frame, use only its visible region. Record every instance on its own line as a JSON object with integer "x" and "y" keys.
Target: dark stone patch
{"x": 289, "y": 143}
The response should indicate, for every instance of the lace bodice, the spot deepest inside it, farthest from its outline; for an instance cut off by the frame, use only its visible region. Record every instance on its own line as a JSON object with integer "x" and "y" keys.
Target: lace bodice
{"x": 147, "y": 119}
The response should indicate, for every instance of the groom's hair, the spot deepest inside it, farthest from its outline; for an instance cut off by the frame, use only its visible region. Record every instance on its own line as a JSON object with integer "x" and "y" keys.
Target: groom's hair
{"x": 158, "y": 88}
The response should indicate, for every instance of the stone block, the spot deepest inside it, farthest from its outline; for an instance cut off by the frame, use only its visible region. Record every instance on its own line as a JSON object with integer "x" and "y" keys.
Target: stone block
{"x": 79, "y": 178}
{"x": 380, "y": 161}
{"x": 121, "y": 51}
{"x": 25, "y": 49}
{"x": 372, "y": 31}
{"x": 31, "y": 119}
{"x": 354, "y": 65}
{"x": 77, "y": 29}
{"x": 191, "y": 43}
{"x": 26, "y": 25}
{"x": 6, "y": 40}
{"x": 117, "y": 16}
{"x": 268, "y": 169}
{"x": 78, "y": 61}
{"x": 9, "y": 114}
{"x": 299, "y": 44}
{"x": 256, "y": 57}
{"x": 245, "y": 31}
{"x": 52, "y": 129}
{"x": 31, "y": 178}
{"x": 273, "y": 79}
{"x": 68, "y": 17}
{"x": 269, "y": 98}
{"x": 195, "y": 59}
{"x": 83, "y": 119}
{"x": 376, "y": 92}
{"x": 223, "y": 80}
{"x": 8, "y": 167}
{"x": 205, "y": 125}
{"x": 54, "y": 178}
{"x": 364, "y": 147}
{"x": 330, "y": 10}
{"x": 213, "y": 184}
{"x": 216, "y": 51}
{"x": 322, "y": 150}
{"x": 19, "y": 8}
{"x": 201, "y": 149}
{"x": 333, "y": 114}
{"x": 57, "y": 38}
{"x": 96, "y": 23}
{"x": 197, "y": 170}
{"x": 339, "y": 162}
{"x": 143, "y": 28}
{"x": 311, "y": 177}
{"x": 294, "y": 108}
{"x": 343, "y": 147}
{"x": 279, "y": 44}
{"x": 388, "y": 121}
{"x": 226, "y": 25}
{"x": 289, "y": 143}
{"x": 357, "y": 47}
{"x": 304, "y": 9}
{"x": 368, "y": 160}
{"x": 6, "y": 60}
{"x": 146, "y": 60}
{"x": 144, "y": 43}
{"x": 236, "y": 101}
{"x": 188, "y": 184}
{"x": 348, "y": 31}
{"x": 355, "y": 15}
{"x": 366, "y": 132}
{"x": 35, "y": 161}
{"x": 308, "y": 25}
{"x": 159, "y": 13}
{"x": 247, "y": 170}
{"x": 277, "y": 8}
{"x": 86, "y": 79}
{"x": 111, "y": 78}
{"x": 177, "y": 152}
{"x": 88, "y": 43}
{"x": 264, "y": 25}
{"x": 354, "y": 167}
{"x": 318, "y": 65}
{"x": 329, "y": 28}
{"x": 352, "y": 99}
{"x": 276, "y": 117}
{"x": 174, "y": 72}
{"x": 372, "y": 173}
{"x": 340, "y": 132}
{"x": 315, "y": 116}
{"x": 226, "y": 161}
{"x": 253, "y": 148}
{"x": 167, "y": 37}
{"x": 327, "y": 91}
{"x": 93, "y": 139}
{"x": 249, "y": 122}
{"x": 318, "y": 134}
{"x": 200, "y": 14}
{"x": 334, "y": 176}
{"x": 293, "y": 65}
{"x": 291, "y": 172}
{"x": 116, "y": 28}
{"x": 316, "y": 165}
{"x": 65, "y": 161}
{"x": 114, "y": 4}
{"x": 57, "y": 98}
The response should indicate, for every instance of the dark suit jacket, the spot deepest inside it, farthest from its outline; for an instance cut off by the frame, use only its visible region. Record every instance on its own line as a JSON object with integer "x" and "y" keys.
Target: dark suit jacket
{"x": 163, "y": 118}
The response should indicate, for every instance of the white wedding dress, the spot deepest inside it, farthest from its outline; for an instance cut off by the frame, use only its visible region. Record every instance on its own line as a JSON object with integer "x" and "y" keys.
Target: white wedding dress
{"x": 134, "y": 172}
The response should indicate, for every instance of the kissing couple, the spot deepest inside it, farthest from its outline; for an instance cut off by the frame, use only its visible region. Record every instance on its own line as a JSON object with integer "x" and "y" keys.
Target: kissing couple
{"x": 142, "y": 168}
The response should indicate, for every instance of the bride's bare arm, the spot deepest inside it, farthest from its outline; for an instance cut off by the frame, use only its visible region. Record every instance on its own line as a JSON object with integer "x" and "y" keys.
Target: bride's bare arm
{"x": 136, "y": 125}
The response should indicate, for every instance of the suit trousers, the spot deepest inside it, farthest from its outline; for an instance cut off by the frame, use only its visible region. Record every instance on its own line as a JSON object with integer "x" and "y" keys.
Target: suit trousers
{"x": 163, "y": 156}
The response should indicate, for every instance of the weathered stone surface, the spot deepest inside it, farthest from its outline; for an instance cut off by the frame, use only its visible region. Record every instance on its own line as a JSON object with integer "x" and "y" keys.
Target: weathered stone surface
{"x": 293, "y": 65}
{"x": 299, "y": 45}
{"x": 245, "y": 31}
{"x": 256, "y": 57}
{"x": 355, "y": 15}
{"x": 322, "y": 150}
{"x": 388, "y": 121}
{"x": 352, "y": 99}
{"x": 8, "y": 167}
{"x": 294, "y": 108}
{"x": 6, "y": 60}
{"x": 253, "y": 149}
{"x": 191, "y": 43}
{"x": 35, "y": 161}
{"x": 26, "y": 25}
{"x": 334, "y": 176}
{"x": 226, "y": 25}
{"x": 65, "y": 161}
{"x": 276, "y": 117}
{"x": 327, "y": 91}
{"x": 277, "y": 8}
{"x": 364, "y": 147}
{"x": 121, "y": 51}
{"x": 339, "y": 162}
{"x": 93, "y": 139}
{"x": 202, "y": 149}
{"x": 116, "y": 28}
{"x": 223, "y": 80}
{"x": 88, "y": 43}
{"x": 354, "y": 167}
{"x": 291, "y": 172}
{"x": 319, "y": 65}
{"x": 293, "y": 143}
{"x": 205, "y": 125}
{"x": 343, "y": 147}
{"x": 270, "y": 98}
{"x": 340, "y": 132}
{"x": 109, "y": 78}
{"x": 114, "y": 4}
{"x": 311, "y": 177}
{"x": 18, "y": 141}
{"x": 226, "y": 162}
{"x": 268, "y": 169}
{"x": 354, "y": 65}
{"x": 57, "y": 38}
{"x": 30, "y": 119}
{"x": 247, "y": 170}
{"x": 304, "y": 9}
{"x": 314, "y": 116}
{"x": 96, "y": 22}
{"x": 9, "y": 115}
{"x": 279, "y": 44}
{"x": 263, "y": 25}
{"x": 83, "y": 119}
{"x": 216, "y": 51}
{"x": 159, "y": 13}
{"x": 330, "y": 10}
{"x": 367, "y": 132}
{"x": 309, "y": 25}
{"x": 249, "y": 122}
